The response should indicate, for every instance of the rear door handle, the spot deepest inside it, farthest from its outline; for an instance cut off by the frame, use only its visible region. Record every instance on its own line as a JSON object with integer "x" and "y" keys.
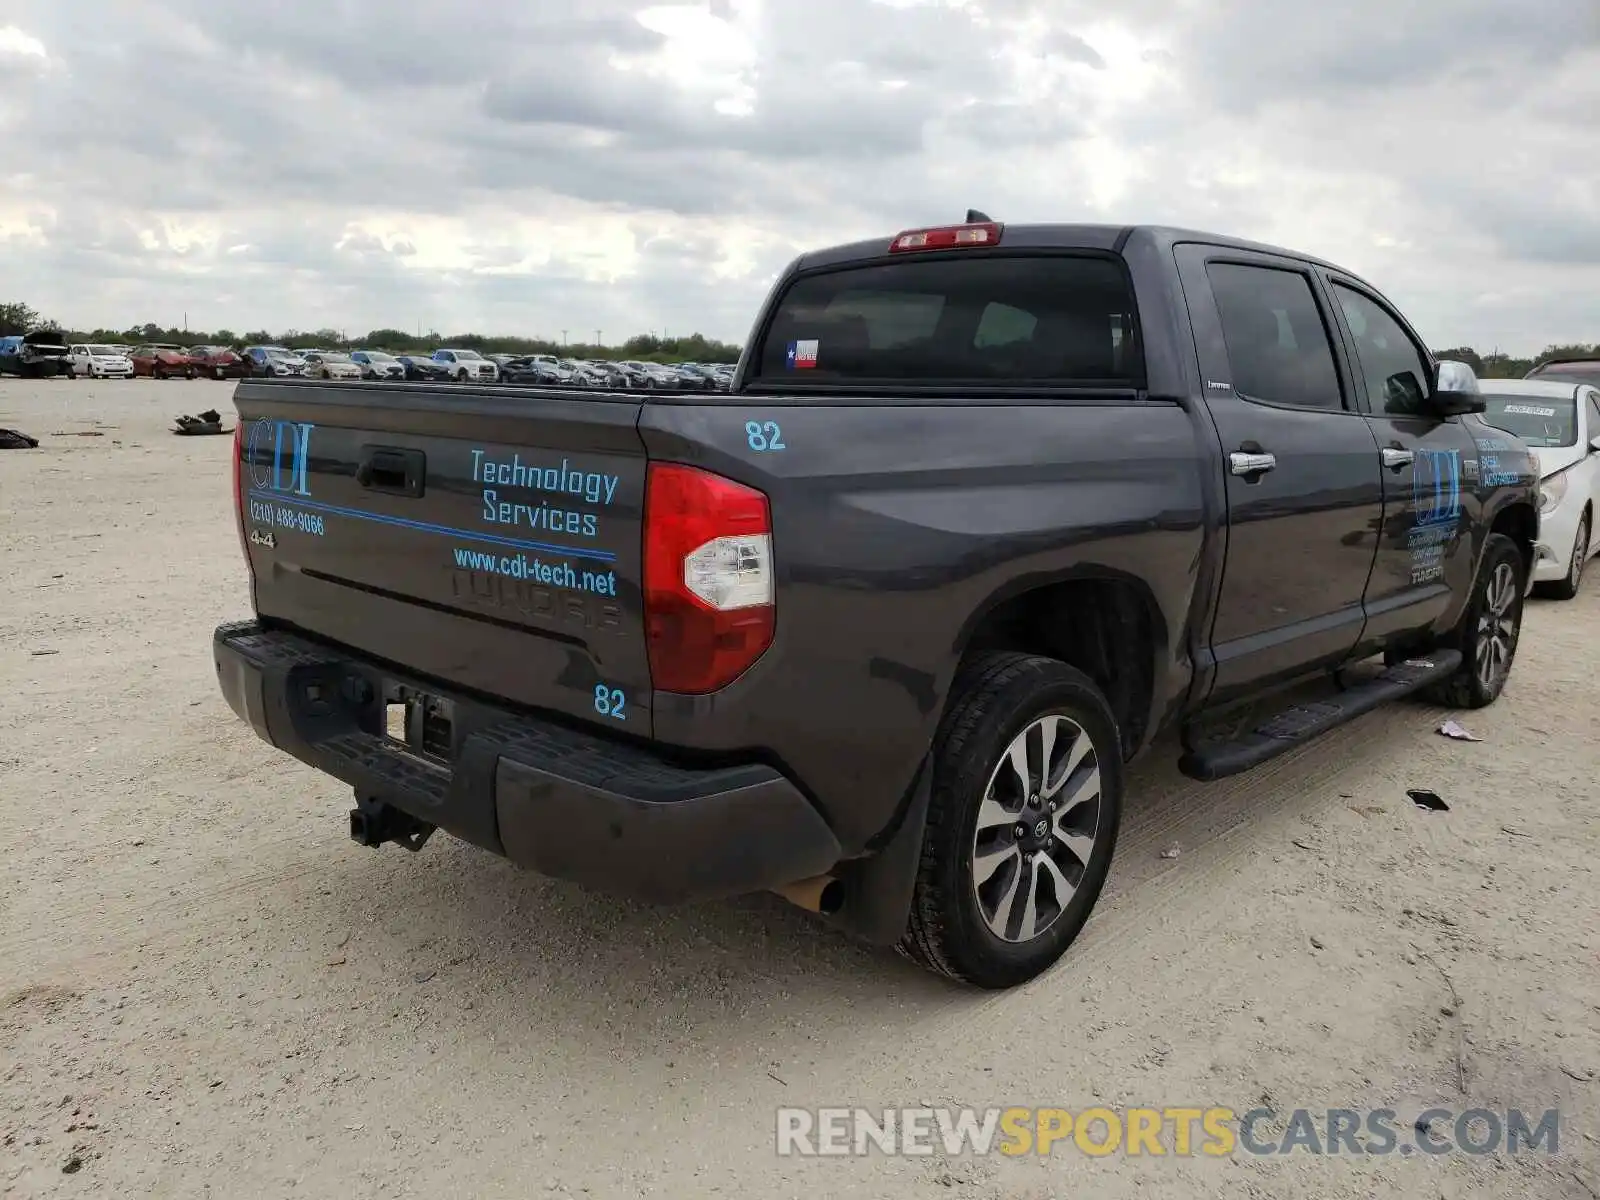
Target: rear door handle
{"x": 392, "y": 469}
{"x": 1241, "y": 463}
{"x": 1394, "y": 458}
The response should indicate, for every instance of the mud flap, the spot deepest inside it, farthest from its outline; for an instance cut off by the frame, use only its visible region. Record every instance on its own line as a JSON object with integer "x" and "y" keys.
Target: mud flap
{"x": 877, "y": 900}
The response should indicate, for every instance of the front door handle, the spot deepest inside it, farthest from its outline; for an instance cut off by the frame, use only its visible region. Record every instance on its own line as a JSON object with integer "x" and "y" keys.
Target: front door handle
{"x": 1250, "y": 464}
{"x": 1395, "y": 458}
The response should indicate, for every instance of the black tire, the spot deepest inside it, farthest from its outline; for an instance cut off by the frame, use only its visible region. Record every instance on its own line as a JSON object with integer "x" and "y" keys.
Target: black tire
{"x": 996, "y": 698}
{"x": 1567, "y": 588}
{"x": 1472, "y": 686}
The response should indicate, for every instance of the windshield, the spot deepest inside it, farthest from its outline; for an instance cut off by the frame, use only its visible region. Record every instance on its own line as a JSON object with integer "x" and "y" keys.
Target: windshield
{"x": 1537, "y": 420}
{"x": 103, "y": 351}
{"x": 1001, "y": 319}
{"x": 467, "y": 355}
{"x": 377, "y": 356}
{"x": 279, "y": 352}
{"x": 327, "y": 356}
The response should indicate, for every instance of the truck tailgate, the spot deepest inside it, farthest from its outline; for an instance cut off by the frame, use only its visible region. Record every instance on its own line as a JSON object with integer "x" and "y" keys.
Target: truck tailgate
{"x": 487, "y": 538}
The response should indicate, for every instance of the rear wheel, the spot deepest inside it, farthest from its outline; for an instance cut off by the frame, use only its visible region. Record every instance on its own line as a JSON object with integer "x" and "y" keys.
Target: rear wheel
{"x": 1022, "y": 822}
{"x": 1489, "y": 630}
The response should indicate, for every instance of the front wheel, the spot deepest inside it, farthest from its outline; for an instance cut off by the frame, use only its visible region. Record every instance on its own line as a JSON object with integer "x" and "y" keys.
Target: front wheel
{"x": 1489, "y": 630}
{"x": 1022, "y": 821}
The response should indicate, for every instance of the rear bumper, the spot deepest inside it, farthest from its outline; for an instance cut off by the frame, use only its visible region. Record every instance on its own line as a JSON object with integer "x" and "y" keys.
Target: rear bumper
{"x": 610, "y": 814}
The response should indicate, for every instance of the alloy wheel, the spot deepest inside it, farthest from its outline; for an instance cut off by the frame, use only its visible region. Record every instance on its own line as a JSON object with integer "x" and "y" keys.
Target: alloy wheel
{"x": 1036, "y": 828}
{"x": 1580, "y": 553}
{"x": 1498, "y": 626}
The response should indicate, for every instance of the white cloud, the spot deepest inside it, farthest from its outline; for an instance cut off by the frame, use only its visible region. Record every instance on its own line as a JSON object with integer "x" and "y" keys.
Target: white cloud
{"x": 611, "y": 164}
{"x": 15, "y": 43}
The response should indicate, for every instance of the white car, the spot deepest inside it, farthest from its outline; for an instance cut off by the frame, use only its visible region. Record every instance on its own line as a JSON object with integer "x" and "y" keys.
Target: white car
{"x": 99, "y": 362}
{"x": 466, "y": 366}
{"x": 1560, "y": 423}
{"x": 330, "y": 364}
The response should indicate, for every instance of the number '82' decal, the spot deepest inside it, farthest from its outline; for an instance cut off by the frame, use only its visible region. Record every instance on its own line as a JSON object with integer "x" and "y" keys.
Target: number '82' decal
{"x": 609, "y": 702}
{"x": 764, "y": 436}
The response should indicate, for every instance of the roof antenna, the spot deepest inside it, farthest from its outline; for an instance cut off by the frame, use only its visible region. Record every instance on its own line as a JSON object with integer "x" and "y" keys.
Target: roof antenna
{"x": 974, "y": 217}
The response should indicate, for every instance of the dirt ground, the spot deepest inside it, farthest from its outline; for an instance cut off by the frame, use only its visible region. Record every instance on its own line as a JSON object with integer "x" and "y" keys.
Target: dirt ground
{"x": 207, "y": 990}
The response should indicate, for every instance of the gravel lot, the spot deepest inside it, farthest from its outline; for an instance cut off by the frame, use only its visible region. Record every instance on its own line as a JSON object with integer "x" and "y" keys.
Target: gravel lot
{"x": 207, "y": 990}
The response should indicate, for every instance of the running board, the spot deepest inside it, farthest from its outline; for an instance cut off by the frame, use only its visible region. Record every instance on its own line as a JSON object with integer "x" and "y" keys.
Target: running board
{"x": 1299, "y": 724}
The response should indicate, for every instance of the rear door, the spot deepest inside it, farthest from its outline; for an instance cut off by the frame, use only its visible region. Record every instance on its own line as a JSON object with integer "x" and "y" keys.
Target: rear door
{"x": 1305, "y": 498}
{"x": 1424, "y": 554}
{"x": 490, "y": 541}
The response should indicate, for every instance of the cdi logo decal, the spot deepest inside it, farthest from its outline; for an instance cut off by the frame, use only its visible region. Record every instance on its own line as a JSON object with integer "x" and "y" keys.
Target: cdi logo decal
{"x": 1436, "y": 487}
{"x": 279, "y": 453}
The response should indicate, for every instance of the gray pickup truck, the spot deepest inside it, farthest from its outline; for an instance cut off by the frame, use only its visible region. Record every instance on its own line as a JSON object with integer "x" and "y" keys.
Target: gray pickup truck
{"x": 986, "y": 510}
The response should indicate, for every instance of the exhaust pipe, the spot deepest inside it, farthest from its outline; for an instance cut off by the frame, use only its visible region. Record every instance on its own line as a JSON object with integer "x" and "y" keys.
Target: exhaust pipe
{"x": 820, "y": 894}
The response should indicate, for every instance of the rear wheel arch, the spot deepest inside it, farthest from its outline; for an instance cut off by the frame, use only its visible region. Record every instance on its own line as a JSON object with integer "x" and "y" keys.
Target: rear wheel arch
{"x": 1103, "y": 622}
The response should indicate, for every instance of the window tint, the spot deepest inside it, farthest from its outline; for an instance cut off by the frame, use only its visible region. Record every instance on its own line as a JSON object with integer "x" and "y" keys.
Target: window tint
{"x": 1277, "y": 344}
{"x": 1048, "y": 319}
{"x": 1395, "y": 371}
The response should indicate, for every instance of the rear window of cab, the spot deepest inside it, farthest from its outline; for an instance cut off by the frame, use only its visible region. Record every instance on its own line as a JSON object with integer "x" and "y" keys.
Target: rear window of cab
{"x": 1059, "y": 320}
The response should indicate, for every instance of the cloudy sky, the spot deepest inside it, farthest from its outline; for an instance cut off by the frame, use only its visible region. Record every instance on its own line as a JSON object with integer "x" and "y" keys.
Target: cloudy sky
{"x": 535, "y": 166}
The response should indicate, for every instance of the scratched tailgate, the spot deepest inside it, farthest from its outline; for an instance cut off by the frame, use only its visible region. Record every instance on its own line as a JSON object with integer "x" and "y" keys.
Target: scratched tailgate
{"x": 488, "y": 538}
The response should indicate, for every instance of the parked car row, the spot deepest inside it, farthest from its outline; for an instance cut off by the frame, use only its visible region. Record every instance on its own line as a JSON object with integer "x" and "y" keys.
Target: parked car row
{"x": 549, "y": 370}
{"x": 46, "y": 354}
{"x": 468, "y": 366}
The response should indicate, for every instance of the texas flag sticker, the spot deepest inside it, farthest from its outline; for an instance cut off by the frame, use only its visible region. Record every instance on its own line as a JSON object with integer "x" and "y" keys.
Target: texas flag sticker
{"x": 802, "y": 354}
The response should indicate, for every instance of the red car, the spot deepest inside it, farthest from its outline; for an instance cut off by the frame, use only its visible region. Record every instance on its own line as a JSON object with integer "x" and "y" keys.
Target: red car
{"x": 163, "y": 362}
{"x": 218, "y": 362}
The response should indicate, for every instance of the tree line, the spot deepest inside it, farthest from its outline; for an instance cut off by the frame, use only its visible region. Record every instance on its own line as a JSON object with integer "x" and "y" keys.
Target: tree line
{"x": 18, "y": 318}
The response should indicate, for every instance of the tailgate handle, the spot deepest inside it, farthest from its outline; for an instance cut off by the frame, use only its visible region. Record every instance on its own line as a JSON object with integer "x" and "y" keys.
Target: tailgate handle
{"x": 393, "y": 470}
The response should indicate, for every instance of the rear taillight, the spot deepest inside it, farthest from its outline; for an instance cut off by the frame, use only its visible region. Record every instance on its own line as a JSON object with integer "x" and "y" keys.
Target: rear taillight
{"x": 238, "y": 485}
{"x": 709, "y": 600}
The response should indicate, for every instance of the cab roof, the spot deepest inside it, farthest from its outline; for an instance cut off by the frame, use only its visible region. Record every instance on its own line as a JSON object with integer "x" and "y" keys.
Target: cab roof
{"x": 1104, "y": 238}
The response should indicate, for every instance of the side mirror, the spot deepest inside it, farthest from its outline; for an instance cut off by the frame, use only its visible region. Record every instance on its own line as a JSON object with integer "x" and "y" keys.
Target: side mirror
{"x": 1455, "y": 390}
{"x": 1594, "y": 445}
